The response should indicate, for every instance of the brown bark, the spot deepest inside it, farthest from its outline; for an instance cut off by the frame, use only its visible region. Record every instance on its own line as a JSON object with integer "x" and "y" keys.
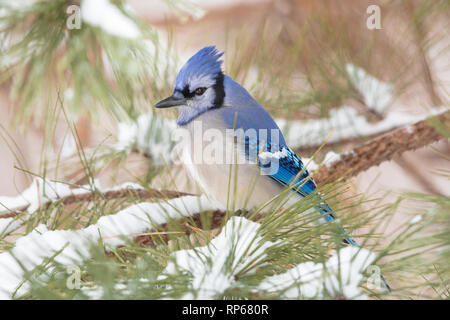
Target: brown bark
{"x": 382, "y": 148}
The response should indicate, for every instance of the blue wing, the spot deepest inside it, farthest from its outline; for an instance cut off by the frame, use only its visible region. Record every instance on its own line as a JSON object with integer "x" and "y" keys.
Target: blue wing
{"x": 290, "y": 172}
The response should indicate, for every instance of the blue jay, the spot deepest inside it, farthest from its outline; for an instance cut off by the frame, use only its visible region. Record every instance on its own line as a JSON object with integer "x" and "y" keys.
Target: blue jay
{"x": 204, "y": 94}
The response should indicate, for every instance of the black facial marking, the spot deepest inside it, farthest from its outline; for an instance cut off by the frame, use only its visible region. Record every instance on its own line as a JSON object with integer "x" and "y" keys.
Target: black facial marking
{"x": 218, "y": 88}
{"x": 186, "y": 93}
{"x": 219, "y": 91}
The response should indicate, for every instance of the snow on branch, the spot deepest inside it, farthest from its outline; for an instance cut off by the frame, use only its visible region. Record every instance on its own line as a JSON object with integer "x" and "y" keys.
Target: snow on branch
{"x": 107, "y": 16}
{"x": 330, "y": 157}
{"x": 41, "y": 192}
{"x": 209, "y": 266}
{"x": 31, "y": 250}
{"x": 344, "y": 123}
{"x": 376, "y": 94}
{"x": 341, "y": 274}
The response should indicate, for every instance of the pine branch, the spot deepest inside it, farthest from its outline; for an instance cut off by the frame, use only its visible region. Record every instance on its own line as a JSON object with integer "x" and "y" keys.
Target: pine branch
{"x": 383, "y": 148}
{"x": 217, "y": 219}
{"x": 109, "y": 195}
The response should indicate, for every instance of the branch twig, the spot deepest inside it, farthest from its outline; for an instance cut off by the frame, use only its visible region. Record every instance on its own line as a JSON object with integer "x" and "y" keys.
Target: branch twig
{"x": 382, "y": 148}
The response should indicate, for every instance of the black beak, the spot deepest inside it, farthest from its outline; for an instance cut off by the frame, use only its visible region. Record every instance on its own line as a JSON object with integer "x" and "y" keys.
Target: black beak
{"x": 171, "y": 102}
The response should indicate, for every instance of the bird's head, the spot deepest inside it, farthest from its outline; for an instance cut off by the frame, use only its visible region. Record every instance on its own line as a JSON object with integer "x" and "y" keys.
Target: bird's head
{"x": 198, "y": 86}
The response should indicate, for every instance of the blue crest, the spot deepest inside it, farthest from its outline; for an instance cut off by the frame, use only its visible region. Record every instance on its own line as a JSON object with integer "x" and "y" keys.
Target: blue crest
{"x": 205, "y": 62}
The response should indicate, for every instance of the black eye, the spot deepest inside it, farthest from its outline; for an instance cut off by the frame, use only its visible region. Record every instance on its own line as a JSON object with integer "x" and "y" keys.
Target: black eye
{"x": 200, "y": 91}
